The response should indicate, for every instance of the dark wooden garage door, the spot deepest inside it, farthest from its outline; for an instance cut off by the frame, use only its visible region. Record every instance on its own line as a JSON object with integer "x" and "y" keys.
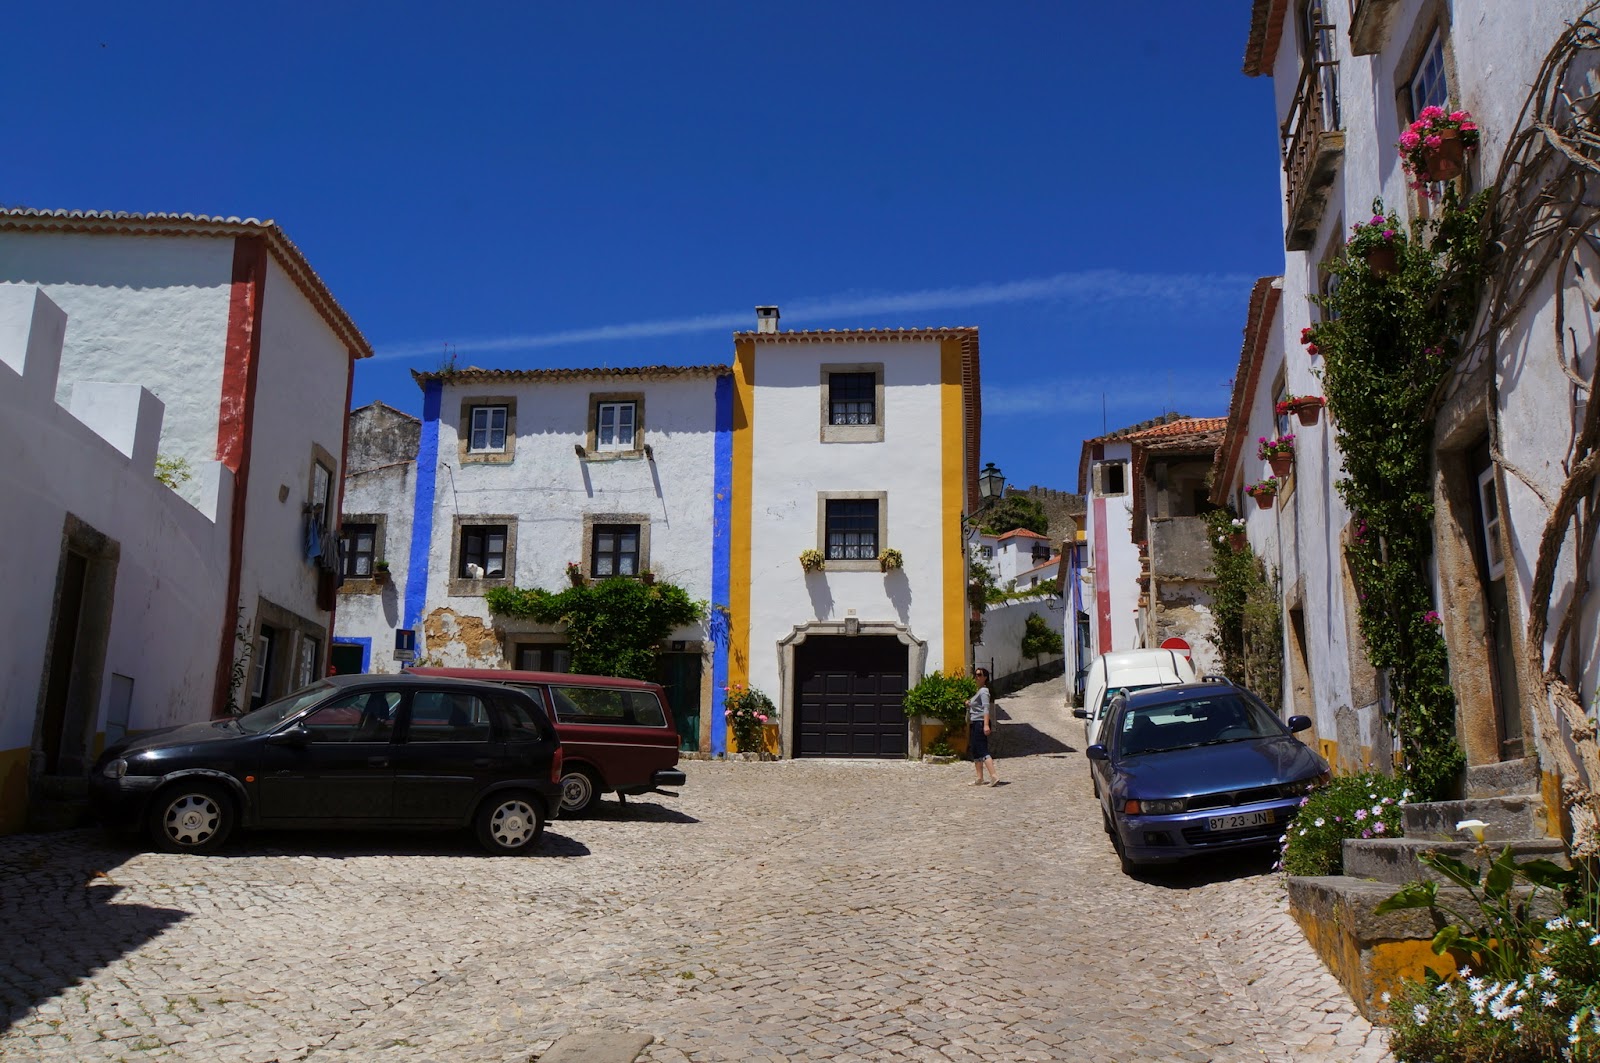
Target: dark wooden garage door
{"x": 848, "y": 694}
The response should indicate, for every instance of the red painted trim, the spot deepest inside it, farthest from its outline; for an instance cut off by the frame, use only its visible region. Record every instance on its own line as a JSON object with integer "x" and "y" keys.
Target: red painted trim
{"x": 236, "y": 424}
{"x": 1102, "y": 576}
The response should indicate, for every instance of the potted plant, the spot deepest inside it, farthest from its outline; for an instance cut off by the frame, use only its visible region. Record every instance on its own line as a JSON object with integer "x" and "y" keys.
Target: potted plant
{"x": 1236, "y": 536}
{"x": 1277, "y": 452}
{"x": 812, "y": 560}
{"x": 1378, "y": 240}
{"x": 646, "y": 577}
{"x": 575, "y": 573}
{"x": 1263, "y": 491}
{"x": 1305, "y": 407}
{"x": 1308, "y": 336}
{"x": 380, "y": 572}
{"x": 890, "y": 559}
{"x": 1434, "y": 147}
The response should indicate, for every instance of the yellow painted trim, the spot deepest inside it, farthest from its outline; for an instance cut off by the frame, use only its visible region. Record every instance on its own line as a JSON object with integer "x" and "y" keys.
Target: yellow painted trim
{"x": 740, "y": 516}
{"x": 14, "y": 789}
{"x": 953, "y": 483}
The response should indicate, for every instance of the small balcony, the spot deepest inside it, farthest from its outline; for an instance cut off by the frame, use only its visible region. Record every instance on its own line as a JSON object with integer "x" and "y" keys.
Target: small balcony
{"x": 1313, "y": 145}
{"x": 1369, "y": 25}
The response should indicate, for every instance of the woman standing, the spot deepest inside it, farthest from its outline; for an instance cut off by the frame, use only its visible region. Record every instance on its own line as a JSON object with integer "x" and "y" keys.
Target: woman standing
{"x": 979, "y": 726}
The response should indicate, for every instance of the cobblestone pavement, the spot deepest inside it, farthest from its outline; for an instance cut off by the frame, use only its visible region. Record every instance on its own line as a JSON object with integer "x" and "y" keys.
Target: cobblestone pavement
{"x": 789, "y": 910}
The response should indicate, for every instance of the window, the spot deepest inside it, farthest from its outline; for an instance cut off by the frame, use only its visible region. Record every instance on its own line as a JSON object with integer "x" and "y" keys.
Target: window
{"x": 852, "y": 398}
{"x": 483, "y": 552}
{"x": 607, "y": 705}
{"x": 852, "y": 529}
{"x": 1110, "y": 478}
{"x": 364, "y": 717}
{"x": 306, "y": 663}
{"x": 852, "y": 403}
{"x": 488, "y": 434}
{"x": 360, "y": 550}
{"x": 986, "y": 552}
{"x": 1428, "y": 86}
{"x": 615, "y": 426}
{"x": 614, "y": 550}
{"x": 1489, "y": 506}
{"x": 543, "y": 657}
{"x": 321, "y": 491}
{"x": 447, "y": 716}
{"x": 1041, "y": 553}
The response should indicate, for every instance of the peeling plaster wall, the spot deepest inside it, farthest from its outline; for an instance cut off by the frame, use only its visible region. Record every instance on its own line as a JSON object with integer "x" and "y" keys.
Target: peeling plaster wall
{"x": 381, "y": 482}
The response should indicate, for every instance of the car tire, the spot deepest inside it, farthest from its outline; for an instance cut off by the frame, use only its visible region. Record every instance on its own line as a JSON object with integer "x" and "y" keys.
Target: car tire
{"x": 580, "y": 790}
{"x": 510, "y": 823}
{"x": 191, "y": 817}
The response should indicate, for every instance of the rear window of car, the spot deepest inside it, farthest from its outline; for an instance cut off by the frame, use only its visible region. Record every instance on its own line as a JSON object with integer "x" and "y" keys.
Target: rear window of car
{"x": 517, "y": 720}
{"x": 448, "y": 716}
{"x": 608, "y": 705}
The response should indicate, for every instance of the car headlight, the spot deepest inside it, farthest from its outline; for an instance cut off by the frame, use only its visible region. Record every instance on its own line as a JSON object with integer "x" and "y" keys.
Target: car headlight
{"x": 115, "y": 769}
{"x": 1136, "y": 807}
{"x": 1305, "y": 786}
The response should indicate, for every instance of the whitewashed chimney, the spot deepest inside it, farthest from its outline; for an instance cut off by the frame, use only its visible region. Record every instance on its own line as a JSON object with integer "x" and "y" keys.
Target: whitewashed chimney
{"x": 766, "y": 319}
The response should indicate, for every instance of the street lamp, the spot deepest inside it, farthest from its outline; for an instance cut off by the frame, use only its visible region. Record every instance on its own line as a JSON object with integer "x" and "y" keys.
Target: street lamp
{"x": 991, "y": 482}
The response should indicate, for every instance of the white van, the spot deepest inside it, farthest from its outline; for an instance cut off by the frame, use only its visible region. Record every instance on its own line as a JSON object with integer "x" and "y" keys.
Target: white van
{"x": 1128, "y": 670}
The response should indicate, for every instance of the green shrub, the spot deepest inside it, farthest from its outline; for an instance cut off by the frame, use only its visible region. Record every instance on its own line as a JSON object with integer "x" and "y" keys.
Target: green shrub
{"x": 613, "y": 627}
{"x": 1351, "y": 806}
{"x": 941, "y": 697}
{"x": 747, "y": 710}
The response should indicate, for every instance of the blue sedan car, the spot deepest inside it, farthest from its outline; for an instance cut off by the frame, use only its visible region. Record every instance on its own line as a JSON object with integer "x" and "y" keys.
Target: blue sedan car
{"x": 1200, "y": 768}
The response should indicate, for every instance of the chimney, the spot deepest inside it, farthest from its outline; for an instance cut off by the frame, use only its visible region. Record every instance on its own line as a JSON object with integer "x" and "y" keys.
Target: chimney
{"x": 766, "y": 319}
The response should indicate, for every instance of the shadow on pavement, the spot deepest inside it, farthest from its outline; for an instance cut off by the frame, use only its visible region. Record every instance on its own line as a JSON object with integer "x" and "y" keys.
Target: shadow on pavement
{"x": 1209, "y": 870}
{"x": 1026, "y": 740}
{"x": 635, "y": 811}
{"x": 56, "y": 899}
{"x": 356, "y": 844}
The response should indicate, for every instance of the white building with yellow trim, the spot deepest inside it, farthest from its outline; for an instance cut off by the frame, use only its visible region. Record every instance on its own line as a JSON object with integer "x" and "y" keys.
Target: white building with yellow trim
{"x": 849, "y": 443}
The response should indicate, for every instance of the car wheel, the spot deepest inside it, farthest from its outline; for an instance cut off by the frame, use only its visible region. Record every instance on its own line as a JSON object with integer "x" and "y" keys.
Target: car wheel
{"x": 510, "y": 823}
{"x": 191, "y": 817}
{"x": 1129, "y": 868}
{"x": 579, "y": 791}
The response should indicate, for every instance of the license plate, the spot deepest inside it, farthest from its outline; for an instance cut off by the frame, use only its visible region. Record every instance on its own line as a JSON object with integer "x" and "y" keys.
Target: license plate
{"x": 1239, "y": 821}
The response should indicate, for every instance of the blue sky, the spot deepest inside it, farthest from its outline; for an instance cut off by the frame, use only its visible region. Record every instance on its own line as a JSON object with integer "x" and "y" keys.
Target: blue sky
{"x": 1093, "y": 185}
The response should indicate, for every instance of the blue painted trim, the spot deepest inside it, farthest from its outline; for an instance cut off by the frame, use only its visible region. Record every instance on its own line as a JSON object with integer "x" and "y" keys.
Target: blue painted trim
{"x": 366, "y": 650}
{"x": 422, "y": 508}
{"x": 721, "y": 540}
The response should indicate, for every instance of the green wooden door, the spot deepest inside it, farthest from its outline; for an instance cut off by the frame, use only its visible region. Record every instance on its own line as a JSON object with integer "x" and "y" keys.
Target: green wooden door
{"x": 680, "y": 674}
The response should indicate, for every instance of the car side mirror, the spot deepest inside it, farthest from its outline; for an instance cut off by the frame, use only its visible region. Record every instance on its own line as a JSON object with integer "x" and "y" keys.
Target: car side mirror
{"x": 1097, "y": 752}
{"x": 1299, "y": 723}
{"x": 1082, "y": 714}
{"x": 297, "y": 737}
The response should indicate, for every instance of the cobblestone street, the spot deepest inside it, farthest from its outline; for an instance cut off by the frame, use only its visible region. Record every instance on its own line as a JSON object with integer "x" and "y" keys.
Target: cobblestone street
{"x": 789, "y": 910}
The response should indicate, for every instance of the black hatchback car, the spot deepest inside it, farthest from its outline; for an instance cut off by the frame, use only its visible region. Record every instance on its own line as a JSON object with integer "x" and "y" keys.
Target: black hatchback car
{"x": 351, "y": 751}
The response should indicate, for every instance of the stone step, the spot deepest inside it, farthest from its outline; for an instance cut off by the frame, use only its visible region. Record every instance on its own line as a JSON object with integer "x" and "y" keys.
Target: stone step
{"x": 1394, "y": 861}
{"x": 1370, "y": 953}
{"x": 1509, "y": 818}
{"x": 1503, "y": 779}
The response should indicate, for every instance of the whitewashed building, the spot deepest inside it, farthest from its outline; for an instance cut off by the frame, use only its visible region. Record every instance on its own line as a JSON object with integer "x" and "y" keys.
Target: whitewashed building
{"x": 1348, "y": 80}
{"x": 849, "y": 444}
{"x": 515, "y": 475}
{"x": 245, "y": 360}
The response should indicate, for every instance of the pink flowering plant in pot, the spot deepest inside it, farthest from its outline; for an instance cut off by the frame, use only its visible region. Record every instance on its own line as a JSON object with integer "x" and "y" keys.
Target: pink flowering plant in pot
{"x": 1379, "y": 240}
{"x": 747, "y": 710}
{"x": 1277, "y": 451}
{"x": 1433, "y": 147}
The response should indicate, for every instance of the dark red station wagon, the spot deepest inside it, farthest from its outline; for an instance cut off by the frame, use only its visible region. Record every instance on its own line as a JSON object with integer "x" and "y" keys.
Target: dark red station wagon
{"x": 617, "y": 735}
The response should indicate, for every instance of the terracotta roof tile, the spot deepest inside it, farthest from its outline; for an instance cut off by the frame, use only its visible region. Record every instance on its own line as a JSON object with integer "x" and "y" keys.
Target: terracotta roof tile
{"x": 1266, "y": 30}
{"x": 869, "y": 334}
{"x": 473, "y": 375}
{"x": 1187, "y": 426}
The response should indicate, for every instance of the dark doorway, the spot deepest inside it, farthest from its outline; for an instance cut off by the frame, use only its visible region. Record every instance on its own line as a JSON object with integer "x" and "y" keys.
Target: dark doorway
{"x": 680, "y": 675}
{"x": 63, "y": 657}
{"x": 346, "y": 659}
{"x": 1497, "y": 632}
{"x": 848, "y": 694}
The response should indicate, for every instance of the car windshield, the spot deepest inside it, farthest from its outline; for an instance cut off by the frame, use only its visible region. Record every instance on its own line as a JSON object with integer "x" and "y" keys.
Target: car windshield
{"x": 1197, "y": 722}
{"x": 273, "y": 713}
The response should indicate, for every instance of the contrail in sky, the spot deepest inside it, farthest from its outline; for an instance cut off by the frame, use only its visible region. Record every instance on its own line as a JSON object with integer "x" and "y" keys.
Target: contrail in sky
{"x": 1088, "y": 286}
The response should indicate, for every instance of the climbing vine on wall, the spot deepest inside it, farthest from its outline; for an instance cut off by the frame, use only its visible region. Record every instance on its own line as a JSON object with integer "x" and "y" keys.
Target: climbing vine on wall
{"x": 613, "y": 627}
{"x": 1244, "y": 605}
{"x": 1388, "y": 341}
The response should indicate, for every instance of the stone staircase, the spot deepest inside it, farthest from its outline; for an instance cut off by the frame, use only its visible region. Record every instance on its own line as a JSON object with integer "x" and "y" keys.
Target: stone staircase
{"x": 1370, "y": 953}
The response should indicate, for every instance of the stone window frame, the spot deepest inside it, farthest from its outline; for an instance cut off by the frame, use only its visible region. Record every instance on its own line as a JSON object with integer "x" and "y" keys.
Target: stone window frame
{"x": 851, "y": 433}
{"x": 591, "y": 448}
{"x": 1098, "y": 477}
{"x": 367, "y": 584}
{"x": 292, "y": 629}
{"x": 465, "y": 455}
{"x": 1433, "y": 20}
{"x": 322, "y": 458}
{"x": 461, "y": 587}
{"x": 861, "y": 564}
{"x": 586, "y": 544}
